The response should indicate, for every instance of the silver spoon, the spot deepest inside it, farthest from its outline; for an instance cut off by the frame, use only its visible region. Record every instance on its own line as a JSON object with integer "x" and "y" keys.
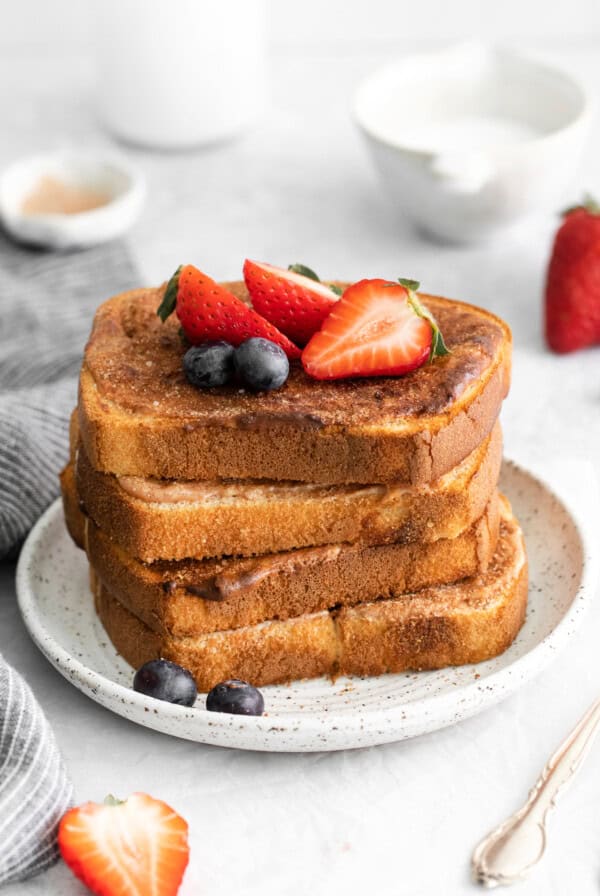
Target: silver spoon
{"x": 512, "y": 849}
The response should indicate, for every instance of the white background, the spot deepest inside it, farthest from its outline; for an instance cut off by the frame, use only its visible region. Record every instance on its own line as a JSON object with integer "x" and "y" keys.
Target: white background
{"x": 337, "y": 24}
{"x": 400, "y": 819}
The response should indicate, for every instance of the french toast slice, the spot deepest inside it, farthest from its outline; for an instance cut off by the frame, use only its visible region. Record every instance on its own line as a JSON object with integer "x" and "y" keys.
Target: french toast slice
{"x": 172, "y": 520}
{"x": 467, "y": 622}
{"x": 190, "y": 597}
{"x": 139, "y": 416}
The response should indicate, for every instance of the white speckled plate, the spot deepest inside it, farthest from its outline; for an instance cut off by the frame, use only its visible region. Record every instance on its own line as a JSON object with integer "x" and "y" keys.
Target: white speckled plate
{"x": 53, "y": 593}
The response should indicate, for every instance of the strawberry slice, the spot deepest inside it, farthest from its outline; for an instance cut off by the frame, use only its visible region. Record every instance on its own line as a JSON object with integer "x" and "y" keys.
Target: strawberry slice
{"x": 295, "y": 301}
{"x": 209, "y": 312}
{"x": 138, "y": 847}
{"x": 377, "y": 328}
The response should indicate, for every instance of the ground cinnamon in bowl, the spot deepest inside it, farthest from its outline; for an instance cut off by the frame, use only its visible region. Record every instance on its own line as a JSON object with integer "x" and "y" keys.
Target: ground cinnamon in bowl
{"x": 51, "y": 196}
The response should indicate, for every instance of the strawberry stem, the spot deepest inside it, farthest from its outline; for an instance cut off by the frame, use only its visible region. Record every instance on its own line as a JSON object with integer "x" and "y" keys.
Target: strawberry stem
{"x": 167, "y": 306}
{"x": 438, "y": 346}
{"x": 590, "y": 205}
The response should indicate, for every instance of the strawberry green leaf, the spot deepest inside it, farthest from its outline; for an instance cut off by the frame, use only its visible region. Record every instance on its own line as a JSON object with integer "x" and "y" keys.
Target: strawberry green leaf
{"x": 410, "y": 284}
{"x": 304, "y": 271}
{"x": 167, "y": 306}
{"x": 590, "y": 205}
{"x": 111, "y": 800}
{"x": 438, "y": 346}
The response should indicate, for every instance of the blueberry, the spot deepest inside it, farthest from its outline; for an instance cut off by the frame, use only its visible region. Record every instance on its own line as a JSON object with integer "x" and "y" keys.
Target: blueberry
{"x": 237, "y": 697}
{"x": 165, "y": 680}
{"x": 209, "y": 364}
{"x": 261, "y": 364}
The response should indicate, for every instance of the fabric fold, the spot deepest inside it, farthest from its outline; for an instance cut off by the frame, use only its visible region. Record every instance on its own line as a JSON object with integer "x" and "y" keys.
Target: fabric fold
{"x": 47, "y": 302}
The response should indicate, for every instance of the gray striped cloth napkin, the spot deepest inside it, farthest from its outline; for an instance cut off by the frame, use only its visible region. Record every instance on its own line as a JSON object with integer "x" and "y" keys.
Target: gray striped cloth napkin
{"x": 47, "y": 301}
{"x": 46, "y": 307}
{"x": 34, "y": 788}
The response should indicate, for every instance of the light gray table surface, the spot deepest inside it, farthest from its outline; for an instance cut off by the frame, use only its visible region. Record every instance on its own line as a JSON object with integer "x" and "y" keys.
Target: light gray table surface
{"x": 399, "y": 819}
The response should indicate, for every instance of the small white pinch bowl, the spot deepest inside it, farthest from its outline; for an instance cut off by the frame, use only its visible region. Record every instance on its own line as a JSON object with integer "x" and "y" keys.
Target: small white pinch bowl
{"x": 473, "y": 139}
{"x": 107, "y": 174}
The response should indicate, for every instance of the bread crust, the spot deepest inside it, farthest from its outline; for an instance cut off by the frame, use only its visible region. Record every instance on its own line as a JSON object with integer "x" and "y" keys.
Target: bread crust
{"x": 244, "y": 519}
{"x": 326, "y": 440}
{"x": 468, "y": 622}
{"x": 192, "y": 597}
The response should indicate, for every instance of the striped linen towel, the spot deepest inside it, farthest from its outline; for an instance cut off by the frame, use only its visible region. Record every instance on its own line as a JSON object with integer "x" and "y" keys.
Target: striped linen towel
{"x": 34, "y": 788}
{"x": 46, "y": 305}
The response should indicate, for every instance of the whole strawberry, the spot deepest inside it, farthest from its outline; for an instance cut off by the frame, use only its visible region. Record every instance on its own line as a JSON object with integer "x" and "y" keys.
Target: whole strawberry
{"x": 573, "y": 281}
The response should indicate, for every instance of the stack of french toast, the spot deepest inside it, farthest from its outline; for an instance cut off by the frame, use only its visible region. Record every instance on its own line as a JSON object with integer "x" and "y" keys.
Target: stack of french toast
{"x": 324, "y": 528}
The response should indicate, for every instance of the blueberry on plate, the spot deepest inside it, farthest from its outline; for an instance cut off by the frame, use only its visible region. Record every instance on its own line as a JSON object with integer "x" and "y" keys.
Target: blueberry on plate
{"x": 165, "y": 680}
{"x": 237, "y": 697}
{"x": 209, "y": 364}
{"x": 261, "y": 364}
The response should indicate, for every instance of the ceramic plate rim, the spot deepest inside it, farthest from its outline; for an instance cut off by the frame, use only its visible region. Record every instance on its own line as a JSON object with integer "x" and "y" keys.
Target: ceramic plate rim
{"x": 98, "y": 686}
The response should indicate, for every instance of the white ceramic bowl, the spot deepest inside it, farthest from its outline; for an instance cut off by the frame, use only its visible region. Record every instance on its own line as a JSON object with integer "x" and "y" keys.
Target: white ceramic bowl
{"x": 473, "y": 139}
{"x": 109, "y": 175}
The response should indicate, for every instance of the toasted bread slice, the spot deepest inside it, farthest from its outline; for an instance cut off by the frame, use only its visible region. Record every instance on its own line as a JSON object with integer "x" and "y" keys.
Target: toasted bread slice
{"x": 189, "y": 597}
{"x": 139, "y": 416}
{"x": 165, "y": 520}
{"x": 467, "y": 622}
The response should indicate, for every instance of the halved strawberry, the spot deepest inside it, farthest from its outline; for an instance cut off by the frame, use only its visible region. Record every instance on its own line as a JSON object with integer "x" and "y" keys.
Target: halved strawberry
{"x": 295, "y": 301}
{"x": 377, "y": 328}
{"x": 209, "y": 312}
{"x": 138, "y": 847}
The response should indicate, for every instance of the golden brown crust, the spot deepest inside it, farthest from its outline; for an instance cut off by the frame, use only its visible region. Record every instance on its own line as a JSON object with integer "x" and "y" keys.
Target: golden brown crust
{"x": 75, "y": 519}
{"x": 246, "y": 518}
{"x": 305, "y": 648}
{"x": 405, "y": 637}
{"x": 168, "y": 596}
{"x": 138, "y": 416}
{"x": 468, "y": 622}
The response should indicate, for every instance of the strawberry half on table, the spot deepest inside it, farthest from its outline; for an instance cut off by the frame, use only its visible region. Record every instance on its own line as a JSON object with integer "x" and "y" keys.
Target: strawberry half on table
{"x": 137, "y": 847}
{"x": 573, "y": 281}
{"x": 293, "y": 300}
{"x": 378, "y": 328}
{"x": 208, "y": 312}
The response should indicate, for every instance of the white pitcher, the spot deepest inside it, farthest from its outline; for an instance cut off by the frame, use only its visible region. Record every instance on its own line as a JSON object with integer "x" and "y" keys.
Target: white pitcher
{"x": 177, "y": 73}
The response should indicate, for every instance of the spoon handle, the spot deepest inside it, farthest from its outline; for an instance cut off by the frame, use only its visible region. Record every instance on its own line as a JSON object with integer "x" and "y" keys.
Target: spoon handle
{"x": 508, "y": 853}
